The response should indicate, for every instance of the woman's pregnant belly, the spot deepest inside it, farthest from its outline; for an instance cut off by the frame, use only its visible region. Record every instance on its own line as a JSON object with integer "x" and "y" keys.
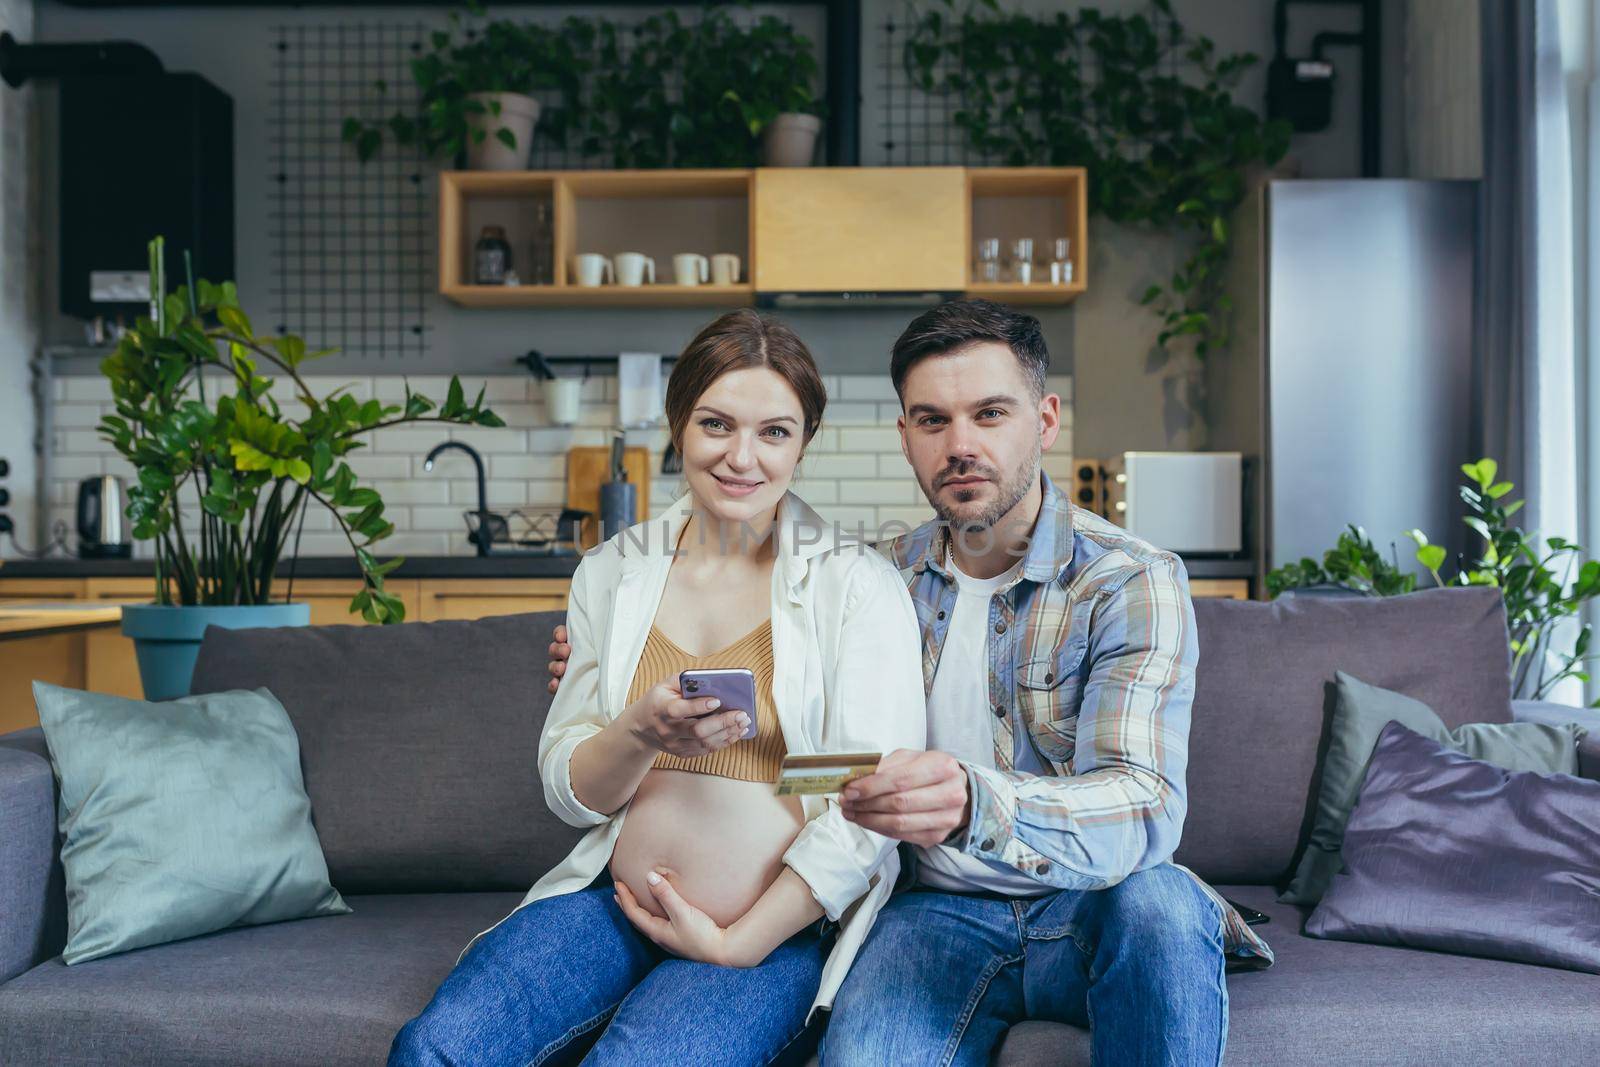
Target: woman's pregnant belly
{"x": 723, "y": 838}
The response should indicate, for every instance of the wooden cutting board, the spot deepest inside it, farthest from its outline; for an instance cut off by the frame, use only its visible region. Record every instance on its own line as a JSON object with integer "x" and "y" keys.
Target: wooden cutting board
{"x": 587, "y": 467}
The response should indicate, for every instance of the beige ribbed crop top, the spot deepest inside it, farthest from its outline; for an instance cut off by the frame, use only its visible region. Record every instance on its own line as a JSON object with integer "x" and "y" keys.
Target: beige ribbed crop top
{"x": 755, "y": 760}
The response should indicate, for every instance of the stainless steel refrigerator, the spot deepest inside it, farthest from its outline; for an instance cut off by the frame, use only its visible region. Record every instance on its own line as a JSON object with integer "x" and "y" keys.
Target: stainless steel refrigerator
{"x": 1348, "y": 385}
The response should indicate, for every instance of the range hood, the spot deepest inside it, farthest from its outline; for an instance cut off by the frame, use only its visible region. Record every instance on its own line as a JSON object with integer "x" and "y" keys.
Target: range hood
{"x": 894, "y": 298}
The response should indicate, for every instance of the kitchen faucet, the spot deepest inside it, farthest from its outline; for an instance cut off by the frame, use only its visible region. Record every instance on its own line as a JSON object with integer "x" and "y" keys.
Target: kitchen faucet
{"x": 485, "y": 531}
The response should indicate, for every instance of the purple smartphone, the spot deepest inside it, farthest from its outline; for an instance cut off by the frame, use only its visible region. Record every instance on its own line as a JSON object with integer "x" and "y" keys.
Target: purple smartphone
{"x": 734, "y": 686}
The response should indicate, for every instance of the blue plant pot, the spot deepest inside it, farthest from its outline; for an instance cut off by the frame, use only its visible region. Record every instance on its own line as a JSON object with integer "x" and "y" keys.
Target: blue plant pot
{"x": 166, "y": 638}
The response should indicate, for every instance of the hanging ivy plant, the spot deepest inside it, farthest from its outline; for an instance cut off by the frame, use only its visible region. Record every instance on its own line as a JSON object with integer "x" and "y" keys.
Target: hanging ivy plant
{"x": 1146, "y": 106}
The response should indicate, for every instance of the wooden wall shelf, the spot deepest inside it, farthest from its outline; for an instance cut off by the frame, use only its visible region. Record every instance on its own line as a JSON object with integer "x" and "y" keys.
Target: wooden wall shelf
{"x": 795, "y": 230}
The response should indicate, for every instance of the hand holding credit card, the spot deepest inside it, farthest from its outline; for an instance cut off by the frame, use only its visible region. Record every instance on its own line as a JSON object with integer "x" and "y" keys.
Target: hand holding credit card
{"x": 823, "y": 772}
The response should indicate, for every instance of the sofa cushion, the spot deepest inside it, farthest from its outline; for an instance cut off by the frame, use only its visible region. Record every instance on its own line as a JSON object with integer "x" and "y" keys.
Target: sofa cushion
{"x": 1360, "y": 714}
{"x": 179, "y": 817}
{"x": 327, "y": 991}
{"x": 1335, "y": 1002}
{"x": 419, "y": 743}
{"x": 1264, "y": 695}
{"x": 1463, "y": 855}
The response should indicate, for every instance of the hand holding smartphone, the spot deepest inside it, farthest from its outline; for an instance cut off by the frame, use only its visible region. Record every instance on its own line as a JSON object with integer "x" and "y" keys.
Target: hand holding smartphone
{"x": 734, "y": 686}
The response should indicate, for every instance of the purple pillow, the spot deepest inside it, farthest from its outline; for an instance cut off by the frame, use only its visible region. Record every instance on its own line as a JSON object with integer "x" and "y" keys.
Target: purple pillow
{"x": 1452, "y": 853}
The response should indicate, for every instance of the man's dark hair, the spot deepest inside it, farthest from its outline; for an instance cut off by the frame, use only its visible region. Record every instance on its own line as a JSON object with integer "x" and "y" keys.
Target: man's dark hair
{"x": 959, "y": 324}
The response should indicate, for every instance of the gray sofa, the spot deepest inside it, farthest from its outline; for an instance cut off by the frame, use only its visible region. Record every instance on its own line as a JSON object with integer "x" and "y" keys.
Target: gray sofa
{"x": 418, "y": 744}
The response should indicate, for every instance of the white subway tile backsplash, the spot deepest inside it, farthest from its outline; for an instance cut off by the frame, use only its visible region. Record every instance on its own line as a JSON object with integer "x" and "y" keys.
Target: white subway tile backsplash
{"x": 850, "y": 413}
{"x": 406, "y": 440}
{"x": 426, "y": 517}
{"x": 909, "y": 517}
{"x": 81, "y": 442}
{"x": 894, "y": 466}
{"x": 412, "y": 492}
{"x": 491, "y": 438}
{"x": 545, "y": 492}
{"x": 367, "y": 465}
{"x": 816, "y": 467}
{"x": 853, "y": 473}
{"x": 68, "y": 469}
{"x": 501, "y": 493}
{"x": 96, "y": 388}
{"x": 72, "y": 416}
{"x": 869, "y": 440}
{"x": 866, "y": 387}
{"x": 886, "y": 491}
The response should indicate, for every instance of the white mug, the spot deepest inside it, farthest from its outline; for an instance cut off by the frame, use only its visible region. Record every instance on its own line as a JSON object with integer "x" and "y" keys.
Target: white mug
{"x": 691, "y": 268}
{"x": 724, "y": 269}
{"x": 634, "y": 267}
{"x": 591, "y": 269}
{"x": 561, "y": 400}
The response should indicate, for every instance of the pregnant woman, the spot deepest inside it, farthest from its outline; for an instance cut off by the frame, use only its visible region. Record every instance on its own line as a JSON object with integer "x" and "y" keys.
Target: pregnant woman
{"x": 702, "y": 916}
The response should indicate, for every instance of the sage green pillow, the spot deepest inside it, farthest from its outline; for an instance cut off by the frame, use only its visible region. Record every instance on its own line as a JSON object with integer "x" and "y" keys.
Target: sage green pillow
{"x": 1360, "y": 712}
{"x": 179, "y": 817}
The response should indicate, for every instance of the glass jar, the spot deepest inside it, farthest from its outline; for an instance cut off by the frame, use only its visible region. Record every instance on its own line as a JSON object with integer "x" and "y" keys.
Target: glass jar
{"x": 491, "y": 257}
{"x": 986, "y": 270}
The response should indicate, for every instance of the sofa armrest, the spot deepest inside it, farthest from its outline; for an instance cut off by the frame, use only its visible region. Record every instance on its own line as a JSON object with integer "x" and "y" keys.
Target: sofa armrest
{"x": 1559, "y": 715}
{"x": 1589, "y": 756}
{"x": 1556, "y": 714}
{"x": 33, "y": 898}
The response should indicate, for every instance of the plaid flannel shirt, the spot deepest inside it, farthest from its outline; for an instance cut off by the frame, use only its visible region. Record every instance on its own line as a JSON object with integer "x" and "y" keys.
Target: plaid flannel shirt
{"x": 1092, "y": 651}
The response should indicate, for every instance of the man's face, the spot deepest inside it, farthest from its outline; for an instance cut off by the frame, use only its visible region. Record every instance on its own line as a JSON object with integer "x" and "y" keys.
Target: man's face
{"x": 974, "y": 433}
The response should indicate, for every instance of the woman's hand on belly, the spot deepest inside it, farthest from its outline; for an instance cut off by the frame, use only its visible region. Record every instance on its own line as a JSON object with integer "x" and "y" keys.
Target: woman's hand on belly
{"x": 686, "y": 931}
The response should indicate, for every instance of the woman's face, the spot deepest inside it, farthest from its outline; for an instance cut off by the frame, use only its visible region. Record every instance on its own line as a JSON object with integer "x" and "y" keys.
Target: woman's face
{"x": 742, "y": 443}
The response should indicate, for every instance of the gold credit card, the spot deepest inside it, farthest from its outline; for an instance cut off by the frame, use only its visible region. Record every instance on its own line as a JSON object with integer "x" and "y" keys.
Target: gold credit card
{"x": 824, "y": 772}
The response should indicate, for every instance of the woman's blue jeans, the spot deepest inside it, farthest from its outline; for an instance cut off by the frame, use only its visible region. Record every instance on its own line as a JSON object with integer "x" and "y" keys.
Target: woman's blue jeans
{"x": 535, "y": 989}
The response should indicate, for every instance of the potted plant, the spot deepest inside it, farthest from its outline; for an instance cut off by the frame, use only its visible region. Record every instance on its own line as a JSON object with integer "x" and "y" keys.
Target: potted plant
{"x": 771, "y": 87}
{"x": 734, "y": 84}
{"x": 250, "y": 468}
{"x": 1545, "y": 587}
{"x": 474, "y": 92}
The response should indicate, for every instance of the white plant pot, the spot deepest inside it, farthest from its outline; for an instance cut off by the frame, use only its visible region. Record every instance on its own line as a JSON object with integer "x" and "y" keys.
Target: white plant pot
{"x": 791, "y": 140}
{"x": 518, "y": 114}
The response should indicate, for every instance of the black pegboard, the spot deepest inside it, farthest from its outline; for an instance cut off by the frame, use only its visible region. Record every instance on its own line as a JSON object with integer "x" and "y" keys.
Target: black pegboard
{"x": 352, "y": 243}
{"x": 919, "y": 128}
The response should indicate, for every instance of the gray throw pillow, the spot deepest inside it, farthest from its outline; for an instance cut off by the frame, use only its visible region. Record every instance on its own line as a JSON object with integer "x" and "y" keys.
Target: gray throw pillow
{"x": 179, "y": 817}
{"x": 1455, "y": 854}
{"x": 1360, "y": 712}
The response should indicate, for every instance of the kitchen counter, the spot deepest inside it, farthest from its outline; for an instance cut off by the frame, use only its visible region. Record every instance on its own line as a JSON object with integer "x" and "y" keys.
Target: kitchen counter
{"x": 433, "y": 567}
{"x": 313, "y": 567}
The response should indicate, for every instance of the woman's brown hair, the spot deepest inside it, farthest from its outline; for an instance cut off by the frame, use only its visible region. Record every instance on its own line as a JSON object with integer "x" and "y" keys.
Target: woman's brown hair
{"x": 737, "y": 340}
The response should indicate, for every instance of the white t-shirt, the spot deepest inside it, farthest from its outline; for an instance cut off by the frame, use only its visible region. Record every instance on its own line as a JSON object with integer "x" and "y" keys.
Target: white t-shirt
{"x": 961, "y": 722}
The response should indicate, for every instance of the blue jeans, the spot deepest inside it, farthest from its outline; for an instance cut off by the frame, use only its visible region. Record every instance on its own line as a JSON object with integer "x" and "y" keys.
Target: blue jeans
{"x": 535, "y": 988}
{"x": 942, "y": 975}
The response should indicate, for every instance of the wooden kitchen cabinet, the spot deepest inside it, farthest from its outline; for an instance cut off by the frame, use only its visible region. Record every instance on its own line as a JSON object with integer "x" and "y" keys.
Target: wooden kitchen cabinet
{"x": 823, "y": 230}
{"x": 476, "y": 598}
{"x": 655, "y": 212}
{"x": 861, "y": 229}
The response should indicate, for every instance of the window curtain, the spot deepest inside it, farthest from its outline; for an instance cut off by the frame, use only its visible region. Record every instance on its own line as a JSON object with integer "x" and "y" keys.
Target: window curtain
{"x": 1539, "y": 320}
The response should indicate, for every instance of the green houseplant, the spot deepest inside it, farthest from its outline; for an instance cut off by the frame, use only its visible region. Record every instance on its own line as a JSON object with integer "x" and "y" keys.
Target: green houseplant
{"x": 1544, "y": 588}
{"x": 474, "y": 87}
{"x": 666, "y": 92}
{"x": 1144, "y": 104}
{"x": 250, "y": 468}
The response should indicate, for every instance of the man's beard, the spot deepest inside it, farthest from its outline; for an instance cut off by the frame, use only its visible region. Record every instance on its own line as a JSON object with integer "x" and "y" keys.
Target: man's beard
{"x": 1008, "y": 493}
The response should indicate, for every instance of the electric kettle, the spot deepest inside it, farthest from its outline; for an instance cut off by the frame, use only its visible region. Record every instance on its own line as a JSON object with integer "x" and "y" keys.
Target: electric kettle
{"x": 102, "y": 528}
